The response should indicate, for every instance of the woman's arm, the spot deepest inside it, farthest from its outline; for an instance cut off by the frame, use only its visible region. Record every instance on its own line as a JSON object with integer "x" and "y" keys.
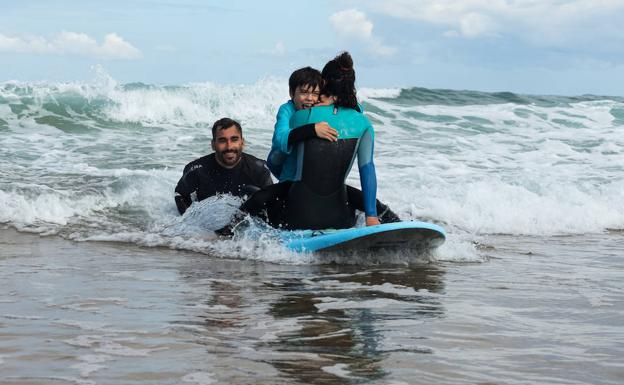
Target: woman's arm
{"x": 368, "y": 177}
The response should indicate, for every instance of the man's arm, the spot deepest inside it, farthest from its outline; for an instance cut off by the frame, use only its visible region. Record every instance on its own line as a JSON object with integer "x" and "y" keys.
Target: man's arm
{"x": 257, "y": 171}
{"x": 183, "y": 193}
{"x": 266, "y": 177}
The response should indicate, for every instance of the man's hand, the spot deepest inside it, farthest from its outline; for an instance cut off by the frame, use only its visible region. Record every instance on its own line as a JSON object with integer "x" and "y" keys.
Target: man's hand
{"x": 372, "y": 221}
{"x": 324, "y": 131}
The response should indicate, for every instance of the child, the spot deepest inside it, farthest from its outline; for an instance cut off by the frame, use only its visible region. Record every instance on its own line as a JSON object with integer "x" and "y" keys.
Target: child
{"x": 304, "y": 87}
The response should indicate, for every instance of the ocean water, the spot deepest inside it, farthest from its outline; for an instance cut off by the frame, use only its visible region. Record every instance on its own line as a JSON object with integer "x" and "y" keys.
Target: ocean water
{"x": 99, "y": 161}
{"x": 106, "y": 283}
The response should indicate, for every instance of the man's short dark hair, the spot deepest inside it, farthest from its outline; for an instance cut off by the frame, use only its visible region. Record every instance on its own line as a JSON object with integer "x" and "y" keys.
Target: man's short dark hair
{"x": 306, "y": 76}
{"x": 224, "y": 124}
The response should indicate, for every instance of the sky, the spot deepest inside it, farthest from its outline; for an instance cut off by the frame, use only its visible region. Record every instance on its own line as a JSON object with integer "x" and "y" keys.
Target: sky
{"x": 563, "y": 47}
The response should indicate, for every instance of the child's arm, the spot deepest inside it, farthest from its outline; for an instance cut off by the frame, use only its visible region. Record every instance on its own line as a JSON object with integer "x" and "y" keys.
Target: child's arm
{"x": 320, "y": 130}
{"x": 284, "y": 137}
{"x": 282, "y": 127}
{"x": 277, "y": 156}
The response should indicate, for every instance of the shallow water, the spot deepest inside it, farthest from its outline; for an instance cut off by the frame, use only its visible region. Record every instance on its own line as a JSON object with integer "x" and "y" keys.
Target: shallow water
{"x": 536, "y": 310}
{"x": 163, "y": 301}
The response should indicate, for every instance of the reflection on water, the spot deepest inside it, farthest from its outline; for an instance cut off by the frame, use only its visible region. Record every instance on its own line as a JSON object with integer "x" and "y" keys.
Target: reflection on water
{"x": 314, "y": 324}
{"x": 539, "y": 311}
{"x": 343, "y": 335}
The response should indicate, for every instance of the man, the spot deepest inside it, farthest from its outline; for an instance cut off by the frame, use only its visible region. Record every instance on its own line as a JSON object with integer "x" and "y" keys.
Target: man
{"x": 226, "y": 171}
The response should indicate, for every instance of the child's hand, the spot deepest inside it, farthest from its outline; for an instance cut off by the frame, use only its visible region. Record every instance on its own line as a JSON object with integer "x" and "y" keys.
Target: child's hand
{"x": 324, "y": 131}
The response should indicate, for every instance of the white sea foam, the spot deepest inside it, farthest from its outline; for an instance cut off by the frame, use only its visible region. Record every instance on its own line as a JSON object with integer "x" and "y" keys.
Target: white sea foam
{"x": 91, "y": 363}
{"x": 338, "y": 370}
{"x": 85, "y": 325}
{"x": 84, "y": 341}
{"x": 99, "y": 161}
{"x": 329, "y": 303}
{"x": 277, "y": 327}
{"x": 536, "y": 176}
{"x": 367, "y": 93}
{"x": 200, "y": 378}
{"x": 116, "y": 349}
{"x": 21, "y": 317}
{"x": 387, "y": 288}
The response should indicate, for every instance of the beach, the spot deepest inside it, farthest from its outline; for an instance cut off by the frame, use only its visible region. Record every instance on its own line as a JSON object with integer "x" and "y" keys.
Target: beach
{"x": 105, "y": 283}
{"x": 537, "y": 310}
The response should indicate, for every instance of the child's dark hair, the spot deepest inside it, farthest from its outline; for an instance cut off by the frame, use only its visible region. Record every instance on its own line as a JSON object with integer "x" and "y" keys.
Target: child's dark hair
{"x": 225, "y": 123}
{"x": 306, "y": 76}
{"x": 339, "y": 78}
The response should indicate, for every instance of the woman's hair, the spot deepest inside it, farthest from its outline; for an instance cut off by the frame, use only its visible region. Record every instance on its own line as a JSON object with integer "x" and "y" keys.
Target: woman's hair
{"x": 339, "y": 78}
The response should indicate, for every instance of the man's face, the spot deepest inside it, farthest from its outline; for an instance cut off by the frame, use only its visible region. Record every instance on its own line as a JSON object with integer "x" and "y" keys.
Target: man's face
{"x": 305, "y": 96}
{"x": 228, "y": 146}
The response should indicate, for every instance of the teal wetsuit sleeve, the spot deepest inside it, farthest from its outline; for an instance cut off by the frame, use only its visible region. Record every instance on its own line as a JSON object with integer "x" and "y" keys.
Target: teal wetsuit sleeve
{"x": 279, "y": 143}
{"x": 282, "y": 128}
{"x": 368, "y": 178}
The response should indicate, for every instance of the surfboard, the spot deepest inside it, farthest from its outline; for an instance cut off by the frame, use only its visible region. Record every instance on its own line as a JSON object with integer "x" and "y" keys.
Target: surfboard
{"x": 413, "y": 235}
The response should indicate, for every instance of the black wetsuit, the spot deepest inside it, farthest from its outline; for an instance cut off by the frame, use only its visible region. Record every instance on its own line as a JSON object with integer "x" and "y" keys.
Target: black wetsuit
{"x": 205, "y": 177}
{"x": 300, "y": 205}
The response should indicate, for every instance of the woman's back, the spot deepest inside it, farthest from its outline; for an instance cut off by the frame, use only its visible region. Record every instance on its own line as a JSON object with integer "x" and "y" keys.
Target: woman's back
{"x": 317, "y": 198}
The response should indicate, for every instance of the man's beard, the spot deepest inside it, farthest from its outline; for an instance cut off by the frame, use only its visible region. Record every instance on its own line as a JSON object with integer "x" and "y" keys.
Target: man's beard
{"x": 227, "y": 162}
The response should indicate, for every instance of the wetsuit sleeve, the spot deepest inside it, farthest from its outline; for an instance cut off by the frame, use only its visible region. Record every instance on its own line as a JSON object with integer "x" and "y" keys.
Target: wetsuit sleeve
{"x": 282, "y": 128}
{"x": 368, "y": 178}
{"x": 183, "y": 192}
{"x": 256, "y": 173}
{"x": 301, "y": 133}
{"x": 279, "y": 143}
{"x": 266, "y": 178}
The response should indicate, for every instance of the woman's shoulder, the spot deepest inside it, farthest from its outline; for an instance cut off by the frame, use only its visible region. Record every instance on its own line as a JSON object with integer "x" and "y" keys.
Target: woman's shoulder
{"x": 354, "y": 114}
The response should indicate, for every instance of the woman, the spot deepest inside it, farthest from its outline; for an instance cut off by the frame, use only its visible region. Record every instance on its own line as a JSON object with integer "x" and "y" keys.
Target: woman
{"x": 316, "y": 197}
{"x": 326, "y": 165}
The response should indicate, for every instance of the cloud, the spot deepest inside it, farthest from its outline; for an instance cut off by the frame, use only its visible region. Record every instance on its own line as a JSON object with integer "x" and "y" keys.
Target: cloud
{"x": 278, "y": 50}
{"x": 547, "y": 21}
{"x": 475, "y": 24}
{"x": 72, "y": 43}
{"x": 353, "y": 25}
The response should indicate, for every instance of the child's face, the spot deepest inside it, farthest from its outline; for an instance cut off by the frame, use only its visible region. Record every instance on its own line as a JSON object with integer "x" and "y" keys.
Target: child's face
{"x": 305, "y": 96}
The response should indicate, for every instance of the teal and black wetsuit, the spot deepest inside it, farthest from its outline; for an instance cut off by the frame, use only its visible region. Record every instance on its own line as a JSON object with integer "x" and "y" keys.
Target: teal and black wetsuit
{"x": 356, "y": 138}
{"x": 280, "y": 146}
{"x": 312, "y": 194}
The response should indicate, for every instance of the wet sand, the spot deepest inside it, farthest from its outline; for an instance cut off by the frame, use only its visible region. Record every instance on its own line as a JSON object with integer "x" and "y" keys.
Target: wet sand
{"x": 538, "y": 310}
